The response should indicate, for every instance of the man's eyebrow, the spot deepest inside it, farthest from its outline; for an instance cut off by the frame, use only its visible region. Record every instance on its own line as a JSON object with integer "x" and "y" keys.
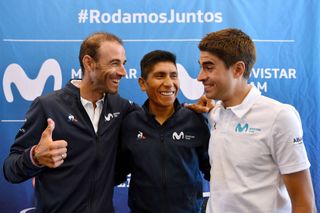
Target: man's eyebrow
{"x": 117, "y": 60}
{"x": 206, "y": 63}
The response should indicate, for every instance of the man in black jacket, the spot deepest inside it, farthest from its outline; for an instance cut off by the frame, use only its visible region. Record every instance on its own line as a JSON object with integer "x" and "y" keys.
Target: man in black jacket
{"x": 69, "y": 140}
{"x": 163, "y": 146}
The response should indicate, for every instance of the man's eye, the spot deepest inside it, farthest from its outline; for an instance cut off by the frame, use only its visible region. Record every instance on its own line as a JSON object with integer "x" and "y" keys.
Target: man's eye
{"x": 208, "y": 68}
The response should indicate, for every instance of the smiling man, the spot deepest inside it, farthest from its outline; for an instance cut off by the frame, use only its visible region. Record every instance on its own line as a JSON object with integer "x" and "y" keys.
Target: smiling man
{"x": 164, "y": 145}
{"x": 69, "y": 140}
{"x": 258, "y": 160}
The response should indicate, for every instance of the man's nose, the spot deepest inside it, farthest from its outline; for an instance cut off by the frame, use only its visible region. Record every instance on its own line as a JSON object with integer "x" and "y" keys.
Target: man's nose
{"x": 122, "y": 71}
{"x": 201, "y": 75}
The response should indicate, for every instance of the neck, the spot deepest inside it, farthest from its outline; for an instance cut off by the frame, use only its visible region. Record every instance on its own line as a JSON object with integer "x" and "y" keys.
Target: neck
{"x": 238, "y": 96}
{"x": 161, "y": 113}
{"x": 88, "y": 92}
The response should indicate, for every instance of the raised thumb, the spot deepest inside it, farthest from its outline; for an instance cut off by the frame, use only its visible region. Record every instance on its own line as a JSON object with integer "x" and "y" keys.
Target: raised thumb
{"x": 48, "y": 131}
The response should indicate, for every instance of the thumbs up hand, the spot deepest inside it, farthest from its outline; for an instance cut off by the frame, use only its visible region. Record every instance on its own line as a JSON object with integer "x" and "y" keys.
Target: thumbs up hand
{"x": 48, "y": 152}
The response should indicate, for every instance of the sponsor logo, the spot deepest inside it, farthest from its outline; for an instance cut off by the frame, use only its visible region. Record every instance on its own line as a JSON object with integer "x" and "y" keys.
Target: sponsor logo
{"x": 110, "y": 116}
{"x": 298, "y": 140}
{"x": 181, "y": 136}
{"x": 244, "y": 128}
{"x": 14, "y": 74}
{"x": 71, "y": 118}
{"x": 214, "y": 125}
{"x": 176, "y": 136}
{"x": 140, "y": 136}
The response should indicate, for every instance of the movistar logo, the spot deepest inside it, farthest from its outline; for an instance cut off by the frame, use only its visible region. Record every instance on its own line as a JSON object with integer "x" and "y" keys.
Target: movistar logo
{"x": 30, "y": 88}
{"x": 176, "y": 136}
{"x": 190, "y": 87}
{"x": 111, "y": 115}
{"x": 108, "y": 117}
{"x": 242, "y": 128}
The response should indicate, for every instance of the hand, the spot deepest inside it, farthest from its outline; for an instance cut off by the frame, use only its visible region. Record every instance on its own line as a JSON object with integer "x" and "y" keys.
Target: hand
{"x": 50, "y": 153}
{"x": 203, "y": 105}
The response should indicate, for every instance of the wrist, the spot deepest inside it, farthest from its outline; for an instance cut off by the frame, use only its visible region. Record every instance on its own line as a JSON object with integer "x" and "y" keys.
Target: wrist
{"x": 34, "y": 156}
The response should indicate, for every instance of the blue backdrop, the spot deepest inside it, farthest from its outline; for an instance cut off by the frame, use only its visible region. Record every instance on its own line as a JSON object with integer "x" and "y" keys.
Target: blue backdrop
{"x": 39, "y": 45}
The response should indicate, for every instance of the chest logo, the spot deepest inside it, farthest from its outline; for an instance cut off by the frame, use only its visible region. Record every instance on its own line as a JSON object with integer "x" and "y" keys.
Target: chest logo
{"x": 242, "y": 128}
{"x": 110, "y": 116}
{"x": 71, "y": 118}
{"x": 176, "y": 136}
{"x": 140, "y": 136}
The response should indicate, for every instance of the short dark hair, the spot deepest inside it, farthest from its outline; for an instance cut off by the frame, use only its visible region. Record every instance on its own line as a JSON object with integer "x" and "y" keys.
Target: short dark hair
{"x": 152, "y": 58}
{"x": 92, "y": 43}
{"x": 231, "y": 45}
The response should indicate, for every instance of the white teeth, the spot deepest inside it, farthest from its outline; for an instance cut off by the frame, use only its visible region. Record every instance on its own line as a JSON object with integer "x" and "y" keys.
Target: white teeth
{"x": 167, "y": 93}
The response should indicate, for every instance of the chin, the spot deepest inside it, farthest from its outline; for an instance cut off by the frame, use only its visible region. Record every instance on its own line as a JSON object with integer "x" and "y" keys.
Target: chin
{"x": 209, "y": 96}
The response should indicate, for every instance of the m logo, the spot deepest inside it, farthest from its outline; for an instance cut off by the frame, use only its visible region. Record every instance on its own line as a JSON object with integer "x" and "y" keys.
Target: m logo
{"x": 108, "y": 117}
{"x": 243, "y": 128}
{"x": 176, "y": 136}
{"x": 30, "y": 88}
{"x": 191, "y": 88}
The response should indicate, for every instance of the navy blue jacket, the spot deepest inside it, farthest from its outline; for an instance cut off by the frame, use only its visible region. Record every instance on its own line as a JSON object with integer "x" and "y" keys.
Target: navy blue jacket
{"x": 164, "y": 160}
{"x": 85, "y": 181}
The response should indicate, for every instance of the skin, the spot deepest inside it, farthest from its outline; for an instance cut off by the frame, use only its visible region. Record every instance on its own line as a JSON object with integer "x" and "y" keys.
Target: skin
{"x": 103, "y": 76}
{"x": 162, "y": 86}
{"x": 229, "y": 86}
{"x": 100, "y": 77}
{"x": 222, "y": 83}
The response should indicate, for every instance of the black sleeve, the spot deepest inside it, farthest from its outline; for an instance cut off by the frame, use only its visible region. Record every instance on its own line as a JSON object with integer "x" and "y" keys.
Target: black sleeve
{"x": 202, "y": 151}
{"x": 123, "y": 165}
{"x": 18, "y": 166}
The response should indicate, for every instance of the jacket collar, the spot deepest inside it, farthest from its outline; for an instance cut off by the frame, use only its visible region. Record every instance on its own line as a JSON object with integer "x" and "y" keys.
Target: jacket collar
{"x": 145, "y": 106}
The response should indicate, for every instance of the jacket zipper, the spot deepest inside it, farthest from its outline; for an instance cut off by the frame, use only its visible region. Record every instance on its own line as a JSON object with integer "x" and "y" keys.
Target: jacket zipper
{"x": 163, "y": 169}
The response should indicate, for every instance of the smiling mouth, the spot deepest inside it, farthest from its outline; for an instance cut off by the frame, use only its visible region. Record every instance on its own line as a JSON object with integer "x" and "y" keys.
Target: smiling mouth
{"x": 116, "y": 81}
{"x": 167, "y": 93}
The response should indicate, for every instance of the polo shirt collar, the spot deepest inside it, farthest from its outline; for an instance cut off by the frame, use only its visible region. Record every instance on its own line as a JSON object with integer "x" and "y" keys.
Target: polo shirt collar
{"x": 241, "y": 109}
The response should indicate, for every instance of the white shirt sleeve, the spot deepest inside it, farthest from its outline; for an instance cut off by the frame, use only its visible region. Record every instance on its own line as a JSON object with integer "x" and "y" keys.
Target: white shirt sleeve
{"x": 287, "y": 148}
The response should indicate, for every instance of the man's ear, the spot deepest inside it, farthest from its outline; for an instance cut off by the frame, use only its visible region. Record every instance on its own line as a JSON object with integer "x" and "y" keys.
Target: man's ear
{"x": 239, "y": 68}
{"x": 87, "y": 62}
{"x": 142, "y": 82}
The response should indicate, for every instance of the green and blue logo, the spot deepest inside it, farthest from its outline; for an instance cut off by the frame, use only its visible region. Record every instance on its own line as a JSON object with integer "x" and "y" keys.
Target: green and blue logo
{"x": 242, "y": 128}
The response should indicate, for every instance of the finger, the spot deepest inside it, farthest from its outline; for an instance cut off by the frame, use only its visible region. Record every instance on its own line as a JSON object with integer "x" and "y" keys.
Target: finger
{"x": 210, "y": 104}
{"x": 47, "y": 133}
{"x": 58, "y": 144}
{"x": 57, "y": 162}
{"x": 64, "y": 155}
{"x": 57, "y": 152}
{"x": 198, "y": 108}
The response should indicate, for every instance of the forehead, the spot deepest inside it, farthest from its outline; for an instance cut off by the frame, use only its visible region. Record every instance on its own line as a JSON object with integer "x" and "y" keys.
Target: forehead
{"x": 165, "y": 66}
{"x": 111, "y": 50}
{"x": 207, "y": 57}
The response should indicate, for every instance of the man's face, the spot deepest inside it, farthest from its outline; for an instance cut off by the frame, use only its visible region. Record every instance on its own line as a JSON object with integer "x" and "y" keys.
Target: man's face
{"x": 109, "y": 68}
{"x": 161, "y": 85}
{"x": 216, "y": 78}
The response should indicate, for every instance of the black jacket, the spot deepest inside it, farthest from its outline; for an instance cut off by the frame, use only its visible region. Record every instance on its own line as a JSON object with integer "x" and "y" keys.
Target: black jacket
{"x": 164, "y": 160}
{"x": 84, "y": 182}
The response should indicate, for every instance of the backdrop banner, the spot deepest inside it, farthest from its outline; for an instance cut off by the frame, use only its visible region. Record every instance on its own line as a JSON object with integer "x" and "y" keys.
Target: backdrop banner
{"x": 40, "y": 41}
